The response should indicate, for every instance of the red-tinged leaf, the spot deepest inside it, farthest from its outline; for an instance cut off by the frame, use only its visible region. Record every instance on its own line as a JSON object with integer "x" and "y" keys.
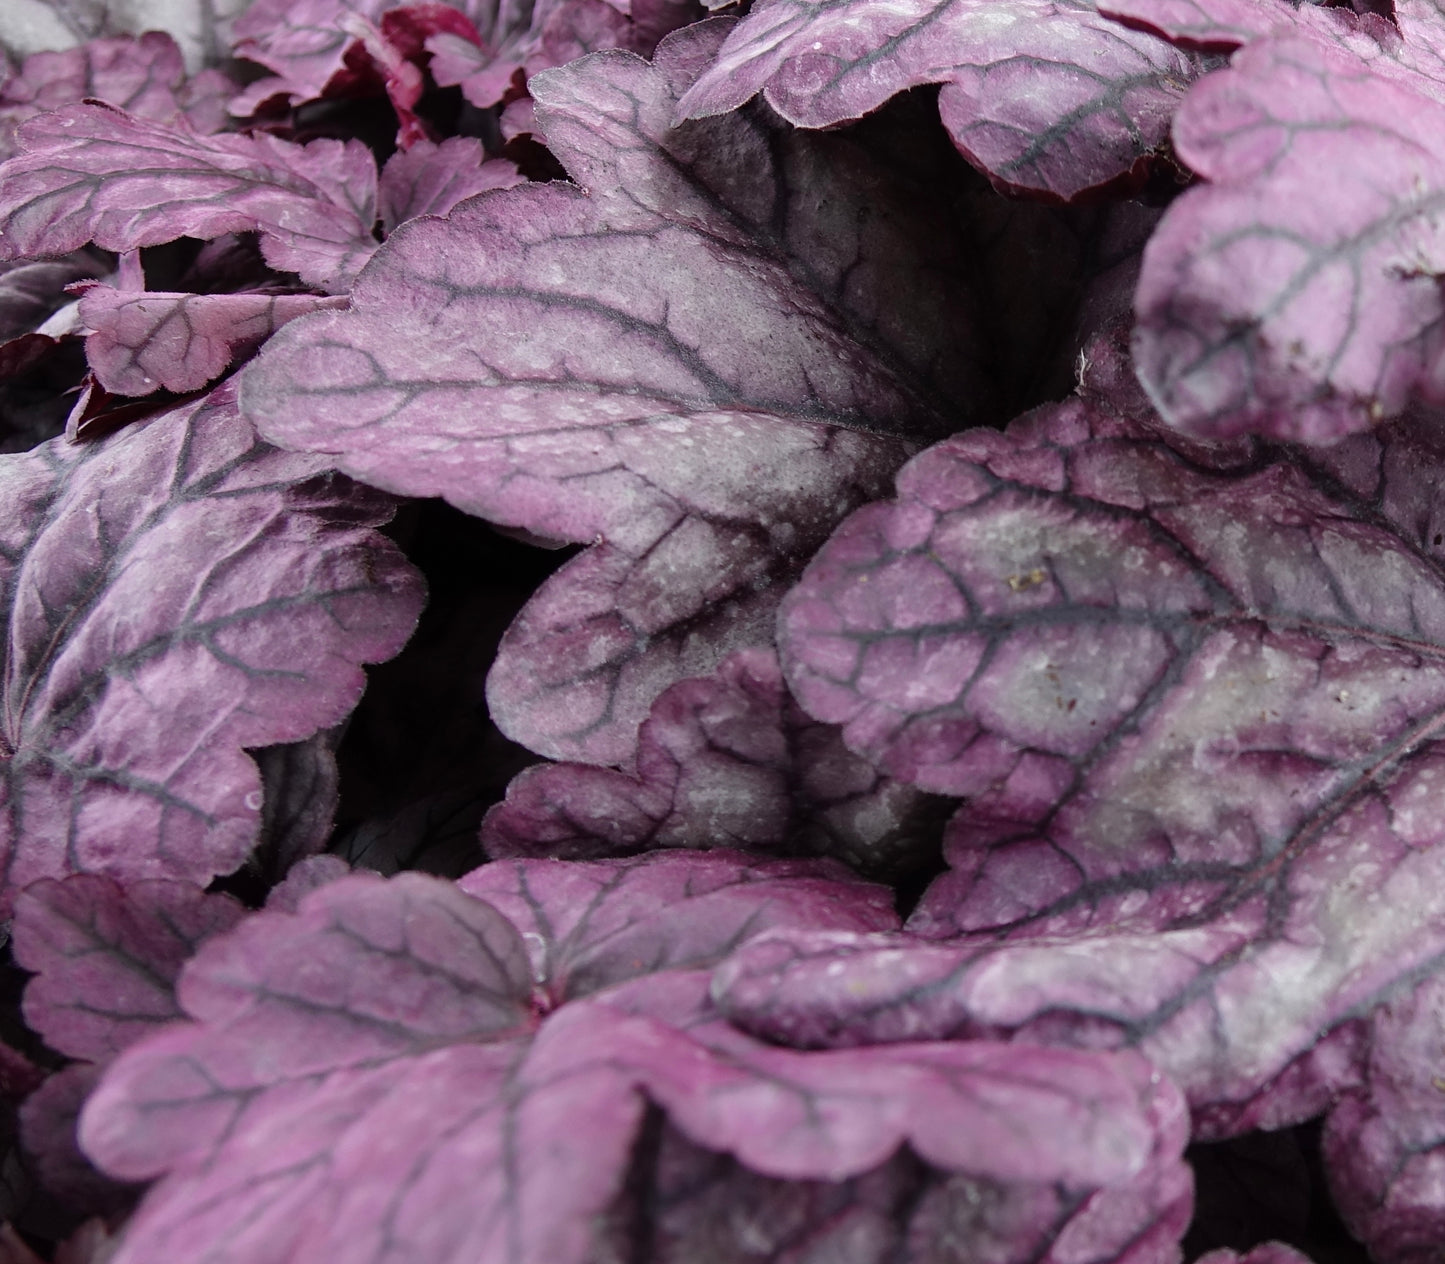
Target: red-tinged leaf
{"x": 1044, "y": 96}
{"x": 1192, "y": 698}
{"x": 430, "y": 179}
{"x": 657, "y": 365}
{"x": 139, "y": 343}
{"x": 90, "y": 173}
{"x": 325, "y": 1104}
{"x": 1255, "y": 317}
{"x": 144, "y": 76}
{"x": 106, "y": 956}
{"x": 726, "y": 760}
{"x": 171, "y": 596}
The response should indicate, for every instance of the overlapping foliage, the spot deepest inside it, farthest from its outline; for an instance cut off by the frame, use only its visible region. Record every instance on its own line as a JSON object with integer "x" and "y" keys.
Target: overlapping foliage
{"x": 954, "y": 487}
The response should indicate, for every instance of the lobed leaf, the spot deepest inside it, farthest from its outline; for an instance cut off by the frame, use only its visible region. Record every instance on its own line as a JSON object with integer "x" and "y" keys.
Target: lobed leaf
{"x": 1262, "y": 308}
{"x": 368, "y": 1080}
{"x": 92, "y": 173}
{"x": 1046, "y": 97}
{"x": 1191, "y": 697}
{"x": 105, "y": 956}
{"x": 171, "y": 596}
{"x": 139, "y": 343}
{"x": 658, "y": 367}
{"x": 725, "y": 760}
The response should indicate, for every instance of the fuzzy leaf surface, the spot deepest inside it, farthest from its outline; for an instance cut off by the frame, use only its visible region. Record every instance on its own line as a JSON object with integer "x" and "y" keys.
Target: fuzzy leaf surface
{"x": 725, "y": 760}
{"x": 1192, "y": 697}
{"x": 1256, "y": 316}
{"x": 91, "y": 173}
{"x": 719, "y": 333}
{"x": 170, "y": 596}
{"x": 106, "y": 956}
{"x": 1047, "y": 97}
{"x": 337, "y": 1032}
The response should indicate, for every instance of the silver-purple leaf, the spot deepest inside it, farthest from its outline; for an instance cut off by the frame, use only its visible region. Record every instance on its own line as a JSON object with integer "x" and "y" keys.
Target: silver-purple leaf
{"x": 106, "y": 956}
{"x": 725, "y": 760}
{"x": 378, "y": 1078}
{"x": 171, "y": 596}
{"x": 91, "y": 173}
{"x": 660, "y": 365}
{"x": 1191, "y": 698}
{"x": 1044, "y": 96}
{"x": 429, "y": 179}
{"x": 1255, "y": 317}
{"x": 139, "y": 343}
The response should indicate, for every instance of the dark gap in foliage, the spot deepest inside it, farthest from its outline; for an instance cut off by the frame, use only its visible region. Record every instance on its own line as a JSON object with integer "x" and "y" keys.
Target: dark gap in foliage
{"x": 1267, "y": 1187}
{"x": 421, "y": 755}
{"x": 35, "y": 402}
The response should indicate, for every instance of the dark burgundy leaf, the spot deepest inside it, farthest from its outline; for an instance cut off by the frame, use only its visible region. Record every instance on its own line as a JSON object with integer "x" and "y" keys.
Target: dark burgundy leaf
{"x": 1043, "y": 96}
{"x": 336, "y": 1034}
{"x": 1191, "y": 698}
{"x": 725, "y": 760}
{"x": 299, "y": 788}
{"x": 31, "y": 289}
{"x": 90, "y": 173}
{"x": 686, "y": 426}
{"x": 143, "y": 342}
{"x": 105, "y": 956}
{"x": 171, "y": 596}
{"x": 52, "y": 1153}
{"x": 1253, "y": 317}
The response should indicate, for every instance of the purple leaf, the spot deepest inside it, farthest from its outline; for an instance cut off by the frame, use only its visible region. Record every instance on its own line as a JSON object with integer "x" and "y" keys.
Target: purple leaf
{"x": 430, "y": 179}
{"x": 105, "y": 957}
{"x": 725, "y": 760}
{"x": 144, "y": 76}
{"x": 299, "y": 788}
{"x": 48, "y": 1119}
{"x": 1253, "y": 317}
{"x": 298, "y": 1116}
{"x": 591, "y": 926}
{"x": 1220, "y": 26}
{"x": 689, "y": 426}
{"x": 305, "y": 877}
{"x": 1043, "y": 96}
{"x": 143, "y": 342}
{"x": 1190, "y": 697}
{"x": 1384, "y": 1143}
{"x": 171, "y": 596}
{"x": 90, "y": 173}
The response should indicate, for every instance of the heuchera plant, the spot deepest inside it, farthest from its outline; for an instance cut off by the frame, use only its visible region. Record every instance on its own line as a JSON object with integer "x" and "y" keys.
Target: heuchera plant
{"x": 776, "y": 632}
